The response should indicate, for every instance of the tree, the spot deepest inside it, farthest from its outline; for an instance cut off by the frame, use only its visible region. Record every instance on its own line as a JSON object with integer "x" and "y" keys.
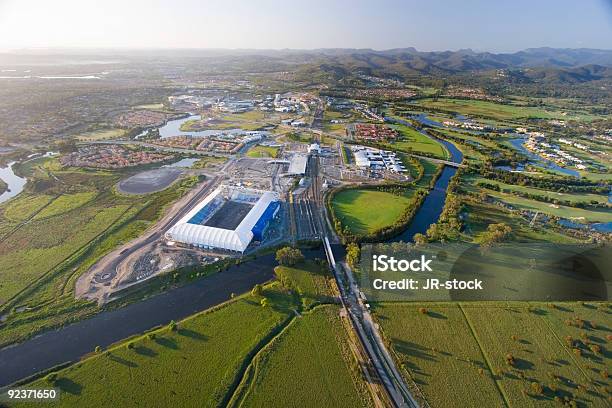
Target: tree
{"x": 353, "y": 253}
{"x": 173, "y": 326}
{"x": 288, "y": 256}
{"x": 420, "y": 239}
{"x": 495, "y": 233}
{"x": 67, "y": 146}
{"x": 257, "y": 290}
{"x": 98, "y": 349}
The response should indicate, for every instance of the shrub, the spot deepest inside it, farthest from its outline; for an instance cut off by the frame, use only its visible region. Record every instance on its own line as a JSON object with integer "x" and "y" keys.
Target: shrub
{"x": 173, "y": 326}
{"x": 288, "y": 256}
{"x": 257, "y": 290}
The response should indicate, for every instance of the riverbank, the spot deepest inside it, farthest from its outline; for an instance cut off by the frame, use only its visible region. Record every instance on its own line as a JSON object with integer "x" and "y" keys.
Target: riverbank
{"x": 70, "y": 343}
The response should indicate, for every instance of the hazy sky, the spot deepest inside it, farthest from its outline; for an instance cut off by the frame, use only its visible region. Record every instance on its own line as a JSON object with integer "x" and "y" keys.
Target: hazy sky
{"x": 380, "y": 24}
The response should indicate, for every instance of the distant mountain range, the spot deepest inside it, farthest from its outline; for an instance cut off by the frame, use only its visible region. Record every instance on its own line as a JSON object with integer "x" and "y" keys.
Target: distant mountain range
{"x": 594, "y": 63}
{"x": 539, "y": 64}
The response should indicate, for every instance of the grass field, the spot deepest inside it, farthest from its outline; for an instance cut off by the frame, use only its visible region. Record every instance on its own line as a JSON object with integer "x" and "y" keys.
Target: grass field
{"x": 263, "y": 151}
{"x": 365, "y": 211}
{"x": 572, "y": 197}
{"x": 54, "y": 231}
{"x": 480, "y": 215}
{"x": 251, "y": 120}
{"x": 456, "y": 353}
{"x": 501, "y": 112}
{"x": 101, "y": 135}
{"x": 233, "y": 352}
{"x": 305, "y": 367}
{"x": 23, "y": 207}
{"x": 65, "y": 203}
{"x": 309, "y": 280}
{"x": 414, "y": 141}
{"x": 579, "y": 214}
{"x": 194, "y": 366}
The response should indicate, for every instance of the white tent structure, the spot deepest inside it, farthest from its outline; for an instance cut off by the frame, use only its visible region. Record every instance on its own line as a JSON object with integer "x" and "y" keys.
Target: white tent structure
{"x": 192, "y": 228}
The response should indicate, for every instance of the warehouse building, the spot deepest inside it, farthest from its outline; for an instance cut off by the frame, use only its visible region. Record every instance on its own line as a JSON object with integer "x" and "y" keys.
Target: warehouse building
{"x": 227, "y": 219}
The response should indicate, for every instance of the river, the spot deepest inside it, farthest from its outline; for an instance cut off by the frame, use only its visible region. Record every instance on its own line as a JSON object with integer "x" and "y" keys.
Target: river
{"x": 72, "y": 342}
{"x": 14, "y": 182}
{"x": 432, "y": 206}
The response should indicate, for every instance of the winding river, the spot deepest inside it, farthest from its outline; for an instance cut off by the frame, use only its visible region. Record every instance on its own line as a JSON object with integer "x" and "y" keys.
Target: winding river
{"x": 14, "y": 182}
{"x": 432, "y": 206}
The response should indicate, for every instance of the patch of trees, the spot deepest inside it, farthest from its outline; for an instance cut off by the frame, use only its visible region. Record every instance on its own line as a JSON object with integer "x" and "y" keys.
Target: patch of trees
{"x": 560, "y": 185}
{"x": 289, "y": 256}
{"x": 543, "y": 197}
{"x": 353, "y": 253}
{"x": 449, "y": 224}
{"x": 494, "y": 234}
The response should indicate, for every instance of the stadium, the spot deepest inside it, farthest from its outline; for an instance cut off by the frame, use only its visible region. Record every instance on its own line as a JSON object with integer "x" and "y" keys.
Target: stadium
{"x": 227, "y": 219}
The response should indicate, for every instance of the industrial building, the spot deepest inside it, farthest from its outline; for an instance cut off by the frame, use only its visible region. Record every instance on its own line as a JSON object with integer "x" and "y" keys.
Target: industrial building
{"x": 368, "y": 157}
{"x": 227, "y": 219}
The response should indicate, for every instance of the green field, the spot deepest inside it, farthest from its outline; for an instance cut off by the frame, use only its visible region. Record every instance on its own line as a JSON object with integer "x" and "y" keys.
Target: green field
{"x": 225, "y": 353}
{"x": 456, "y": 353}
{"x": 415, "y": 142}
{"x": 65, "y": 203}
{"x": 365, "y": 211}
{"x": 23, "y": 207}
{"x": 194, "y": 366}
{"x": 305, "y": 367}
{"x": 101, "y": 134}
{"x": 54, "y": 231}
{"x": 309, "y": 280}
{"x": 579, "y": 214}
{"x": 251, "y": 120}
{"x": 572, "y": 197}
{"x": 500, "y": 111}
{"x": 263, "y": 151}
{"x": 480, "y": 215}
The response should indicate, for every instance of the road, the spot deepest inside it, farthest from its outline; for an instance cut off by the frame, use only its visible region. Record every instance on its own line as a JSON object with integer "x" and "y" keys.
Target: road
{"x": 107, "y": 266}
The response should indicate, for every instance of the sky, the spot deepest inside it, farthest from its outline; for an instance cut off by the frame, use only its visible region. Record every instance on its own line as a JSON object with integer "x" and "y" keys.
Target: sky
{"x": 483, "y": 25}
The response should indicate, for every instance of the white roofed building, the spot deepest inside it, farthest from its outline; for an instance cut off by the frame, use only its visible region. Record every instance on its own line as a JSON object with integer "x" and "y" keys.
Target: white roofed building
{"x": 229, "y": 218}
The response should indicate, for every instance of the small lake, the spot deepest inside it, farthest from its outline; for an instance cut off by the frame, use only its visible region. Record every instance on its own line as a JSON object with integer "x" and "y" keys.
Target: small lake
{"x": 603, "y": 227}
{"x": 14, "y": 182}
{"x": 173, "y": 128}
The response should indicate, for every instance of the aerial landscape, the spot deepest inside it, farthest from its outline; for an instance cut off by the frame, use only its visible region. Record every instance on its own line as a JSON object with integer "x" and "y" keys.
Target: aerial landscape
{"x": 198, "y": 218}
